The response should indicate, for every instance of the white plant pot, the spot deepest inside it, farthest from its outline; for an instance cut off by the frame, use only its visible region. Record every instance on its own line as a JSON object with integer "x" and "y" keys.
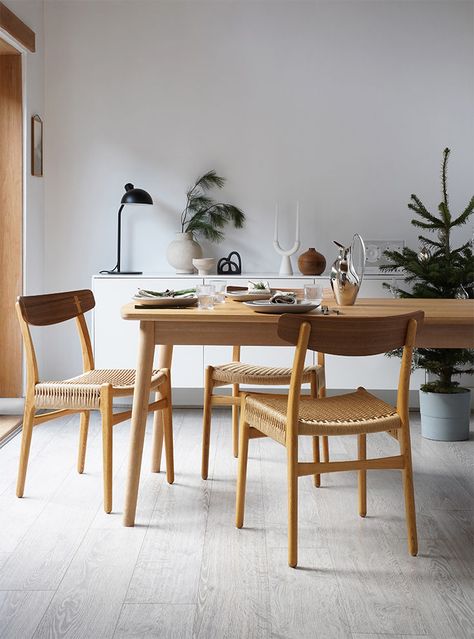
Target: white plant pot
{"x": 445, "y": 416}
{"x": 182, "y": 251}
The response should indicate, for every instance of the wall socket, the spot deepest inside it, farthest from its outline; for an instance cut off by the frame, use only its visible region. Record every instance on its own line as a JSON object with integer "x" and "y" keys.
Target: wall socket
{"x": 374, "y": 252}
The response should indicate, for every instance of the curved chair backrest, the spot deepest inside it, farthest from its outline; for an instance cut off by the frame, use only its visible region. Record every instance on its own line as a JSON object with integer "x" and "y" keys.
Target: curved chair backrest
{"x": 344, "y": 335}
{"x": 54, "y": 308}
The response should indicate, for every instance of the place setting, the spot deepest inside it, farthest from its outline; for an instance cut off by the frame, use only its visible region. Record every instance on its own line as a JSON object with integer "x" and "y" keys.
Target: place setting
{"x": 287, "y": 301}
{"x": 259, "y": 290}
{"x": 204, "y": 296}
{"x": 165, "y": 299}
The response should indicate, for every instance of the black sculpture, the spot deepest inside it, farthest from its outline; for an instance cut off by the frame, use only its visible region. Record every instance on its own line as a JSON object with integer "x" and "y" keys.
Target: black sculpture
{"x": 225, "y": 266}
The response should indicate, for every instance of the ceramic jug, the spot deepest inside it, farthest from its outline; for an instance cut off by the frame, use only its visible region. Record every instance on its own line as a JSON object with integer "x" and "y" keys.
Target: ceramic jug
{"x": 345, "y": 279}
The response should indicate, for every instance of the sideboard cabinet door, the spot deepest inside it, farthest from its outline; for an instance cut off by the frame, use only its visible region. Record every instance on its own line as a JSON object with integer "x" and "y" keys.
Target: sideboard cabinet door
{"x": 116, "y": 339}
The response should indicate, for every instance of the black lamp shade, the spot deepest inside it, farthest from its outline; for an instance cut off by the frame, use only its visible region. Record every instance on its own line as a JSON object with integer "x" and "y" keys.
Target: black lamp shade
{"x": 135, "y": 196}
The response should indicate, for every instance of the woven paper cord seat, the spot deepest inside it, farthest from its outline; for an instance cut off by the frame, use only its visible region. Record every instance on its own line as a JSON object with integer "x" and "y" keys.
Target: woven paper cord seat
{"x": 239, "y": 373}
{"x": 350, "y": 414}
{"x": 83, "y": 391}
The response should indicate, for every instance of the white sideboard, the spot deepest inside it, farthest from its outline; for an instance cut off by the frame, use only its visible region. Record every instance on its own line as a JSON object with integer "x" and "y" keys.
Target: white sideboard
{"x": 116, "y": 340}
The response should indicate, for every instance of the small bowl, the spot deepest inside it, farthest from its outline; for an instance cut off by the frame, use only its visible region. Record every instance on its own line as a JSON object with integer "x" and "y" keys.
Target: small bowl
{"x": 204, "y": 265}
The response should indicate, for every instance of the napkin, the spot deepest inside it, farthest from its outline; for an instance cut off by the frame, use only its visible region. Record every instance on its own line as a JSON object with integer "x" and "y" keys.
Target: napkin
{"x": 281, "y": 297}
{"x": 143, "y": 293}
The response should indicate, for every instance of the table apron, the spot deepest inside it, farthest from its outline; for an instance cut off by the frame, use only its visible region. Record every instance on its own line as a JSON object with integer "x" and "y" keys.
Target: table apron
{"x": 217, "y": 334}
{"x": 445, "y": 336}
{"x": 228, "y": 333}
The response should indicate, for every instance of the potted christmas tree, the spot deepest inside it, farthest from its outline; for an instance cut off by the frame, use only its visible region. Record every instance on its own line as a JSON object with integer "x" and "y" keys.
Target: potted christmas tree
{"x": 439, "y": 270}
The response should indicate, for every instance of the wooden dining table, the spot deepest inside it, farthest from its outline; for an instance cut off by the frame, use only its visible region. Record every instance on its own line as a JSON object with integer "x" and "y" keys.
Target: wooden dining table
{"x": 449, "y": 323}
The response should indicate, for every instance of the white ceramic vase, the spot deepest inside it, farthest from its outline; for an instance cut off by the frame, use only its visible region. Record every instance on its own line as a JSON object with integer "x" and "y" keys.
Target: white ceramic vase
{"x": 182, "y": 251}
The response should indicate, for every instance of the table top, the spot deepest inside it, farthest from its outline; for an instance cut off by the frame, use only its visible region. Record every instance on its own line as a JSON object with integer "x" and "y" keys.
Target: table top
{"x": 436, "y": 311}
{"x": 449, "y": 323}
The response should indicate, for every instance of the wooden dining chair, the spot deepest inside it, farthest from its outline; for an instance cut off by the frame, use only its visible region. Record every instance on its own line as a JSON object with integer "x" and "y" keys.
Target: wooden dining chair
{"x": 237, "y": 373}
{"x": 94, "y": 389}
{"x": 286, "y": 418}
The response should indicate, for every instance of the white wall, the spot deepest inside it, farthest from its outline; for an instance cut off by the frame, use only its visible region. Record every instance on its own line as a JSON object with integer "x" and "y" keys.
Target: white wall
{"x": 345, "y": 106}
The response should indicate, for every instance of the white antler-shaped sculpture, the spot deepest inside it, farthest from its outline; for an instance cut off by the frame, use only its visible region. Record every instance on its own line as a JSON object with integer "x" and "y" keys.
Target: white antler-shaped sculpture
{"x": 285, "y": 266}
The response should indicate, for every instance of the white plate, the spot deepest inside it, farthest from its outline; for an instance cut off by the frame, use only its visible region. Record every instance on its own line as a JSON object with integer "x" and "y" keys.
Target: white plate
{"x": 268, "y": 307}
{"x": 165, "y": 302}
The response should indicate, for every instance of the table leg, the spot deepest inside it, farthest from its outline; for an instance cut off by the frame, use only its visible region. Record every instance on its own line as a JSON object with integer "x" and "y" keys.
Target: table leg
{"x": 146, "y": 348}
{"x": 165, "y": 357}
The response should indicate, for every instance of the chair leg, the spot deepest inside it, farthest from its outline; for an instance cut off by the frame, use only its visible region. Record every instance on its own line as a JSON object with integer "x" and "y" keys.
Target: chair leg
{"x": 168, "y": 433}
{"x": 325, "y": 448}
{"x": 292, "y": 456}
{"x": 106, "y": 411}
{"x": 235, "y": 422}
{"x": 313, "y": 392}
{"x": 321, "y": 392}
{"x": 408, "y": 490}
{"x": 28, "y": 422}
{"x": 242, "y": 471}
{"x": 206, "y": 422}
{"x": 316, "y": 459}
{"x": 84, "y": 429}
{"x": 157, "y": 443}
{"x": 362, "y": 454}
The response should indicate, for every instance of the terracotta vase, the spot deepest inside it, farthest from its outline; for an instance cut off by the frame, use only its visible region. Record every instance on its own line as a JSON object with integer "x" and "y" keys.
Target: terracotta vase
{"x": 311, "y": 262}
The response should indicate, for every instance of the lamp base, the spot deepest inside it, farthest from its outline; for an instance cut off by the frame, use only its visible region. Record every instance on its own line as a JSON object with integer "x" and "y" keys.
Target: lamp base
{"x": 121, "y": 272}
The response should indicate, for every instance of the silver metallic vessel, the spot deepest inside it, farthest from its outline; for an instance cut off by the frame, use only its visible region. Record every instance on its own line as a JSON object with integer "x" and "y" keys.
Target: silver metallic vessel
{"x": 345, "y": 278}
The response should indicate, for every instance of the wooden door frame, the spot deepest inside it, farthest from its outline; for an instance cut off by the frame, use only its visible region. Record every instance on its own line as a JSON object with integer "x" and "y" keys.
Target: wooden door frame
{"x": 11, "y": 217}
{"x": 16, "y": 40}
{"x": 16, "y": 29}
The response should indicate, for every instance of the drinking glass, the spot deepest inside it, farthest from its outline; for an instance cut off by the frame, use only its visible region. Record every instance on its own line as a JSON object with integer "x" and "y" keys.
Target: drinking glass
{"x": 313, "y": 294}
{"x": 219, "y": 290}
{"x": 205, "y": 294}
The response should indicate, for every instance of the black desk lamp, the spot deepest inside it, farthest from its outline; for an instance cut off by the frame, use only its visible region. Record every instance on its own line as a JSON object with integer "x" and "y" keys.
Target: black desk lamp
{"x": 131, "y": 196}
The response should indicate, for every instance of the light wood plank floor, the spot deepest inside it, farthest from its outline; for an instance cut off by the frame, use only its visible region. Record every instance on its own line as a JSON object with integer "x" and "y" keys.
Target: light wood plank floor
{"x": 69, "y": 570}
{"x": 8, "y": 424}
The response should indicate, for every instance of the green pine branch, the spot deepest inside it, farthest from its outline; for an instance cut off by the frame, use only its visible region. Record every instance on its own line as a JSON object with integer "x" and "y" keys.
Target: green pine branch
{"x": 419, "y": 208}
{"x": 444, "y": 175}
{"x": 203, "y": 215}
{"x": 465, "y": 215}
{"x": 209, "y": 180}
{"x": 427, "y": 242}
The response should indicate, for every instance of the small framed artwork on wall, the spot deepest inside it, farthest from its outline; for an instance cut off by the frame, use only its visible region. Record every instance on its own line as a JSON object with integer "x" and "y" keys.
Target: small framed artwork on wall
{"x": 36, "y": 146}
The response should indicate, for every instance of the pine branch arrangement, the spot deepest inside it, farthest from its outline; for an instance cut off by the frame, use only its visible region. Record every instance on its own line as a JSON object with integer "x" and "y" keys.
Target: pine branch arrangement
{"x": 437, "y": 271}
{"x": 204, "y": 216}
